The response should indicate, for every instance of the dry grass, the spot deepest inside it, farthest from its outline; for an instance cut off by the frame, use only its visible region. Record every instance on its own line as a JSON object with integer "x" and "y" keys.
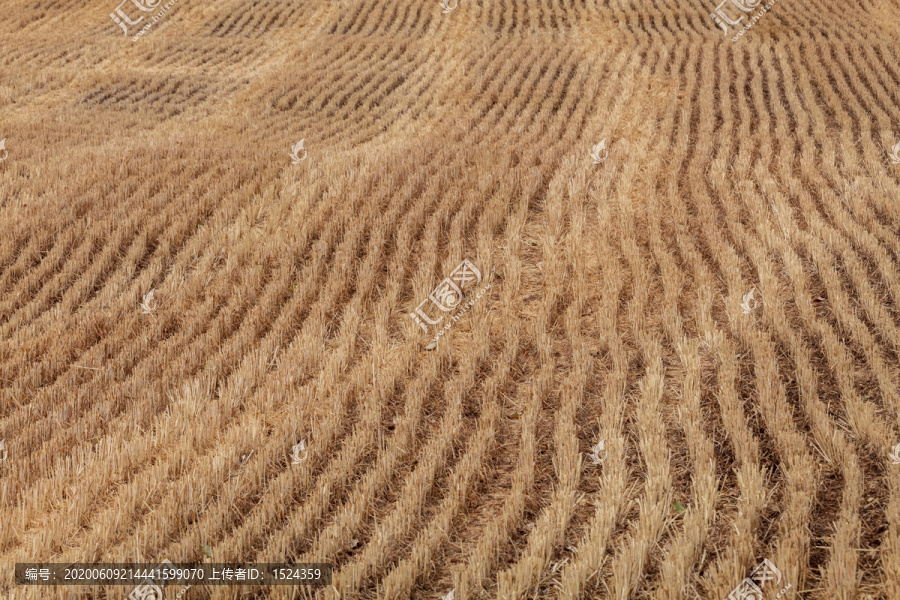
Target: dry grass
{"x": 181, "y": 305}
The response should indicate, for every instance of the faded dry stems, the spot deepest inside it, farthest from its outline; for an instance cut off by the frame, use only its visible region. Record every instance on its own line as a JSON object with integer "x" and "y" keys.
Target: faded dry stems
{"x": 695, "y": 273}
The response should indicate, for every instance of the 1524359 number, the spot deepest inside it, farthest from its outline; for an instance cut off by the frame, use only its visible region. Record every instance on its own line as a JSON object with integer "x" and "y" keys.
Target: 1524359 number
{"x": 298, "y": 574}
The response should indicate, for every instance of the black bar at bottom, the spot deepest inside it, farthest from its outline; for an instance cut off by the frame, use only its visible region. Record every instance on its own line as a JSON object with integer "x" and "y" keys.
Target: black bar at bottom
{"x": 167, "y": 573}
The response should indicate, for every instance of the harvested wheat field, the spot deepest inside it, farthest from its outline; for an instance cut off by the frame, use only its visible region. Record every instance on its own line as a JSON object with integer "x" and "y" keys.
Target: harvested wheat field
{"x": 475, "y": 299}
